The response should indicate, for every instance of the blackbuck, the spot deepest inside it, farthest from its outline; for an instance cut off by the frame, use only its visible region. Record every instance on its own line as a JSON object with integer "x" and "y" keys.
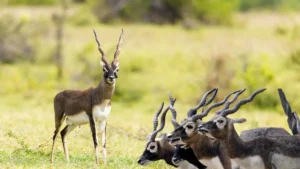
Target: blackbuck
{"x": 293, "y": 119}
{"x": 203, "y": 146}
{"x": 184, "y": 152}
{"x": 259, "y": 153}
{"x": 160, "y": 149}
{"x": 206, "y": 150}
{"x": 91, "y": 106}
{"x": 251, "y": 134}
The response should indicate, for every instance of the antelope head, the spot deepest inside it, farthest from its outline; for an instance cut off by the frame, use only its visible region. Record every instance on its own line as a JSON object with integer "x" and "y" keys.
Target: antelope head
{"x": 155, "y": 147}
{"x": 188, "y": 127}
{"x": 110, "y": 71}
{"x": 220, "y": 126}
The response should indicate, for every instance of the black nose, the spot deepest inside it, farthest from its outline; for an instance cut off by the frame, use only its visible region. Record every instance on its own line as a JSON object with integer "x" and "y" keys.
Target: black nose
{"x": 139, "y": 161}
{"x": 111, "y": 77}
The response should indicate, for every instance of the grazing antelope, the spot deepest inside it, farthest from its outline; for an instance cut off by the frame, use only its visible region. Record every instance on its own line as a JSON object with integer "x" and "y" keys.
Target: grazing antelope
{"x": 182, "y": 132}
{"x": 160, "y": 149}
{"x": 91, "y": 106}
{"x": 259, "y": 153}
{"x": 293, "y": 119}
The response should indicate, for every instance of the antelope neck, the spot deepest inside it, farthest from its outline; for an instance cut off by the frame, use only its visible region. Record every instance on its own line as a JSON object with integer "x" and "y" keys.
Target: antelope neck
{"x": 103, "y": 91}
{"x": 233, "y": 145}
{"x": 204, "y": 147}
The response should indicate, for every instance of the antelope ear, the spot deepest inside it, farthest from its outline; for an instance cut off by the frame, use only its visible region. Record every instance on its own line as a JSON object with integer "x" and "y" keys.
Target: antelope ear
{"x": 102, "y": 63}
{"x": 242, "y": 120}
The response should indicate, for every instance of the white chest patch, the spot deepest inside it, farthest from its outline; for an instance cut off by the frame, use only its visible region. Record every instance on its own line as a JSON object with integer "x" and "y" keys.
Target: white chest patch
{"x": 101, "y": 112}
{"x": 186, "y": 165}
{"x": 250, "y": 162}
{"x": 213, "y": 163}
{"x": 285, "y": 162}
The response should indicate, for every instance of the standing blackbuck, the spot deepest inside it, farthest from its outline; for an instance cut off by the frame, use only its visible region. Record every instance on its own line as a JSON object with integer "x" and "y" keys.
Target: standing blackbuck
{"x": 259, "y": 153}
{"x": 91, "y": 106}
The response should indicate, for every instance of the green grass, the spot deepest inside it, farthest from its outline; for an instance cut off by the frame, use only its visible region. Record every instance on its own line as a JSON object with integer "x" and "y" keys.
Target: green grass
{"x": 153, "y": 61}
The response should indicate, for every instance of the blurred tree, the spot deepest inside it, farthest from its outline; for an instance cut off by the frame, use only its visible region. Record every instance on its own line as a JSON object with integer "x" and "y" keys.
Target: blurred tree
{"x": 161, "y": 11}
{"x": 165, "y": 11}
{"x": 59, "y": 20}
{"x": 32, "y": 2}
{"x": 220, "y": 76}
{"x": 259, "y": 4}
{"x": 17, "y": 36}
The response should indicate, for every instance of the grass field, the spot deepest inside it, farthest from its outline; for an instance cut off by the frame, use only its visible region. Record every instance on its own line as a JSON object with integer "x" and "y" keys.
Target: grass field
{"x": 154, "y": 60}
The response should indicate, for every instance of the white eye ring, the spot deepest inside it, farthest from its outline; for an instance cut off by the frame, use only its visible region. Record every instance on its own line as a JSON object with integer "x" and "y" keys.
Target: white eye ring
{"x": 152, "y": 147}
{"x": 104, "y": 69}
{"x": 220, "y": 122}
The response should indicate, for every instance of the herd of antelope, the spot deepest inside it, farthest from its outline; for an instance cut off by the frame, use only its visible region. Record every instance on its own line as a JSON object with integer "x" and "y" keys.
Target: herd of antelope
{"x": 194, "y": 143}
{"x": 215, "y": 144}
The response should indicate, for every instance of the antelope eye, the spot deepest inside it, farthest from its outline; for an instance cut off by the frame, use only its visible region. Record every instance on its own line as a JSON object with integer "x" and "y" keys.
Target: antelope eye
{"x": 220, "y": 121}
{"x": 152, "y": 147}
{"x": 105, "y": 70}
{"x": 189, "y": 126}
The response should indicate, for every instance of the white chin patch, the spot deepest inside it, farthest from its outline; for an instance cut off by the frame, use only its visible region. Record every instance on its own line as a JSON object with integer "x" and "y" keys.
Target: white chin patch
{"x": 146, "y": 162}
{"x": 111, "y": 81}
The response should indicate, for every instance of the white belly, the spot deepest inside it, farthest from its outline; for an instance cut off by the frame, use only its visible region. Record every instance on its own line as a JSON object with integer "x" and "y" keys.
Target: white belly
{"x": 250, "y": 162}
{"x": 78, "y": 119}
{"x": 213, "y": 163}
{"x": 285, "y": 162}
{"x": 100, "y": 113}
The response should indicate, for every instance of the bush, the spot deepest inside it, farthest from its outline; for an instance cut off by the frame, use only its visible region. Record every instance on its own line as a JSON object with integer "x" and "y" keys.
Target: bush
{"x": 260, "y": 72}
{"x": 214, "y": 11}
{"x": 166, "y": 11}
{"x": 246, "y": 5}
{"x": 135, "y": 10}
{"x": 32, "y": 2}
{"x": 18, "y": 38}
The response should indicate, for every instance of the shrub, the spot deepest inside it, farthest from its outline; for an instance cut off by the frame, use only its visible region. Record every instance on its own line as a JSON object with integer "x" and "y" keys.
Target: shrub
{"x": 32, "y": 2}
{"x": 18, "y": 38}
{"x": 165, "y": 11}
{"x": 246, "y": 5}
{"x": 260, "y": 73}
